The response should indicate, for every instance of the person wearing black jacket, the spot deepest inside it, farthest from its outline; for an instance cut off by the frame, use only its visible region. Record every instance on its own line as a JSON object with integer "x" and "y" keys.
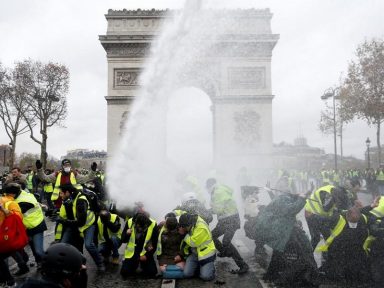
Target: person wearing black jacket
{"x": 347, "y": 260}
{"x": 76, "y": 218}
{"x": 141, "y": 235}
{"x": 63, "y": 266}
{"x": 109, "y": 235}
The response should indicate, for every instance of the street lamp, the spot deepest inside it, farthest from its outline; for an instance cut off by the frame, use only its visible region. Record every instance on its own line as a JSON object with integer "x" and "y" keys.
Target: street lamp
{"x": 368, "y": 142}
{"x": 332, "y": 93}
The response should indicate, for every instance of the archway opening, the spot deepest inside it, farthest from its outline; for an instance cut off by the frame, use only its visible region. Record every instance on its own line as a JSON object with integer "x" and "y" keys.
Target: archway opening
{"x": 189, "y": 129}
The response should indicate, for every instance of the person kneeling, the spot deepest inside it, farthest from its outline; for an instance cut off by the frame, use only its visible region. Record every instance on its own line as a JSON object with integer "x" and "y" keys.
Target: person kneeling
{"x": 199, "y": 245}
{"x": 168, "y": 249}
{"x": 140, "y": 232}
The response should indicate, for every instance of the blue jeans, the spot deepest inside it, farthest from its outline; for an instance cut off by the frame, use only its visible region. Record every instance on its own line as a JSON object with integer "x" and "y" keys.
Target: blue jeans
{"x": 37, "y": 245}
{"x": 113, "y": 245}
{"x": 192, "y": 266}
{"x": 90, "y": 245}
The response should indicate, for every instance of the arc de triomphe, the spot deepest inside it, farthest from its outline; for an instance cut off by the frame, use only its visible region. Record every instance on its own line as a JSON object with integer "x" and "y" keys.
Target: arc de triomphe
{"x": 240, "y": 89}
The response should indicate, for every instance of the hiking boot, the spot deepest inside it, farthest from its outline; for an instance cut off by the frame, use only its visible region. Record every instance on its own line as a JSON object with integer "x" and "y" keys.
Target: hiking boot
{"x": 115, "y": 261}
{"x": 22, "y": 271}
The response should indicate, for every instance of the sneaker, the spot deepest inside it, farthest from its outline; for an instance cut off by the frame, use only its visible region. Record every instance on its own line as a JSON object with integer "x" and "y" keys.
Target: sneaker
{"x": 115, "y": 261}
{"x": 21, "y": 271}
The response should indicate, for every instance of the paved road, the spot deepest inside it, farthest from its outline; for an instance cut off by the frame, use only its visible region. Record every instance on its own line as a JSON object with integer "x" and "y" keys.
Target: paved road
{"x": 224, "y": 265}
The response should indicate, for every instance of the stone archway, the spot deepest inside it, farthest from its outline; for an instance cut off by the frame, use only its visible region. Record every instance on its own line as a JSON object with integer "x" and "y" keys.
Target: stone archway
{"x": 239, "y": 86}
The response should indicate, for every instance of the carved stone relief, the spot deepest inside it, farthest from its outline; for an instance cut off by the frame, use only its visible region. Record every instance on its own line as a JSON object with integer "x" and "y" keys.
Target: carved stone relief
{"x": 129, "y": 50}
{"x": 246, "y": 77}
{"x": 125, "y": 78}
{"x": 247, "y": 128}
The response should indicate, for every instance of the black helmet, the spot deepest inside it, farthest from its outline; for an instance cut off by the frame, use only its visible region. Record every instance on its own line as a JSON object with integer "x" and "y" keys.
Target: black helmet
{"x": 61, "y": 259}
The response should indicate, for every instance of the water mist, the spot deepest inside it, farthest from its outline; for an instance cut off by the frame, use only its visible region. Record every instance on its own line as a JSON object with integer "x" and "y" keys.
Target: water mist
{"x": 140, "y": 169}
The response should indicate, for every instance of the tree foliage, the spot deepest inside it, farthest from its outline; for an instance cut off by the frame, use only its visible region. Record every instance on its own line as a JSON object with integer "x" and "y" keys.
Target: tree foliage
{"x": 46, "y": 87}
{"x": 363, "y": 94}
{"x": 12, "y": 108}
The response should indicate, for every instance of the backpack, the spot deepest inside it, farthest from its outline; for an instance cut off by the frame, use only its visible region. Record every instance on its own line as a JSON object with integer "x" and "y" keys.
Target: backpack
{"x": 13, "y": 236}
{"x": 94, "y": 202}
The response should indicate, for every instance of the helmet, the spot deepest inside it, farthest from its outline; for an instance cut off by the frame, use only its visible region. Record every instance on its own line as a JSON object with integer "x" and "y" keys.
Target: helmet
{"x": 188, "y": 196}
{"x": 62, "y": 259}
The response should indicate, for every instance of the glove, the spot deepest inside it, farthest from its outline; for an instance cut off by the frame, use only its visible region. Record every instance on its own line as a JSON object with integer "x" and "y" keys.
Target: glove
{"x": 60, "y": 220}
{"x": 94, "y": 166}
{"x": 39, "y": 165}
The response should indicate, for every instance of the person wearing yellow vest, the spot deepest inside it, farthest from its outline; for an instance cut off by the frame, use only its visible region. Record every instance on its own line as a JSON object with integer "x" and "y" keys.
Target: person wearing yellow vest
{"x": 376, "y": 251}
{"x": 224, "y": 206}
{"x": 109, "y": 235}
{"x": 380, "y": 179}
{"x": 199, "y": 247}
{"x": 77, "y": 219}
{"x": 346, "y": 259}
{"x": 64, "y": 176}
{"x": 48, "y": 190}
{"x": 30, "y": 181}
{"x": 324, "y": 202}
{"x": 141, "y": 235}
{"x": 33, "y": 220}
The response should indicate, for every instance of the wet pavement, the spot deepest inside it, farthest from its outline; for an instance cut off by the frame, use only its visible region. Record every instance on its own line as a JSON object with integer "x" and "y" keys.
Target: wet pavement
{"x": 111, "y": 278}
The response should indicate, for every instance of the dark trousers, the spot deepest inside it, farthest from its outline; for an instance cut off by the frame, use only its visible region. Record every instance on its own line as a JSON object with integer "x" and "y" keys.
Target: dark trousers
{"x": 130, "y": 266}
{"x": 227, "y": 227}
{"x": 316, "y": 228}
{"x": 5, "y": 275}
{"x": 47, "y": 197}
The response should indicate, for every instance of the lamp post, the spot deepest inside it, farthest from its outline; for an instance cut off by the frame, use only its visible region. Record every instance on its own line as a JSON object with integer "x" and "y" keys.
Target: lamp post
{"x": 368, "y": 143}
{"x": 332, "y": 93}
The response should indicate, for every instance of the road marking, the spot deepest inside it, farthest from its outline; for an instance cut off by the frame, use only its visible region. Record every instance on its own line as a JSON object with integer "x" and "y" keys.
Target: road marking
{"x": 168, "y": 283}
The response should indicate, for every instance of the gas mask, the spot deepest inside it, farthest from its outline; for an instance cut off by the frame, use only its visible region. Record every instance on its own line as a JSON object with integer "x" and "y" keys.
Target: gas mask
{"x": 352, "y": 225}
{"x": 67, "y": 169}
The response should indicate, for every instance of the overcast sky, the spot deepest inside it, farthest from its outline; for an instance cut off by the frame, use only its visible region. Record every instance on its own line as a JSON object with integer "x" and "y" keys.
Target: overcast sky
{"x": 317, "y": 41}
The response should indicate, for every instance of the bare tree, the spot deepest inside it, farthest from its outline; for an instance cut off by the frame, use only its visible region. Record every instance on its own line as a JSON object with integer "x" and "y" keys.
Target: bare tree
{"x": 47, "y": 87}
{"x": 12, "y": 109}
{"x": 364, "y": 90}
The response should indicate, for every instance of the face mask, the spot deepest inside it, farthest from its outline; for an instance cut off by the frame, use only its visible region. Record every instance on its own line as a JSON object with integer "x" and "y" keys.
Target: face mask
{"x": 352, "y": 225}
{"x": 67, "y": 169}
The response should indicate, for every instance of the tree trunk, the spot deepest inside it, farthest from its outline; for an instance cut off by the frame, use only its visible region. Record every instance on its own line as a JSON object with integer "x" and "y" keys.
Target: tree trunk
{"x": 43, "y": 150}
{"x": 378, "y": 142}
{"x": 13, "y": 149}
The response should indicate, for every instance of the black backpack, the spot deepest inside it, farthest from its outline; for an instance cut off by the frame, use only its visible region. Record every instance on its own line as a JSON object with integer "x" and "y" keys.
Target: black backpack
{"x": 94, "y": 202}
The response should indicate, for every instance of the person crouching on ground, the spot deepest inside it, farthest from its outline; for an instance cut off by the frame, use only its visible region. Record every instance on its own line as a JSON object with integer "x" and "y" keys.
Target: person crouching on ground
{"x": 140, "y": 233}
{"x": 168, "y": 248}
{"x": 199, "y": 247}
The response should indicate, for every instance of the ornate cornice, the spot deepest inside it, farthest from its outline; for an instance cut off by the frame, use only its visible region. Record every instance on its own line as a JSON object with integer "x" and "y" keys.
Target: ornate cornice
{"x": 137, "y": 13}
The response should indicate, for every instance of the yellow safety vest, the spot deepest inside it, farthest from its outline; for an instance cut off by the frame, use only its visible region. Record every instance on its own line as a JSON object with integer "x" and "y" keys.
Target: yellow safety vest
{"x": 34, "y": 216}
{"x": 48, "y": 188}
{"x": 379, "y": 210}
{"x": 336, "y": 232}
{"x": 314, "y": 204}
{"x": 100, "y": 226}
{"x": 63, "y": 214}
{"x": 159, "y": 248}
{"x": 56, "y": 190}
{"x": 130, "y": 249}
{"x": 200, "y": 238}
{"x": 222, "y": 202}
{"x": 380, "y": 176}
{"x": 29, "y": 181}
